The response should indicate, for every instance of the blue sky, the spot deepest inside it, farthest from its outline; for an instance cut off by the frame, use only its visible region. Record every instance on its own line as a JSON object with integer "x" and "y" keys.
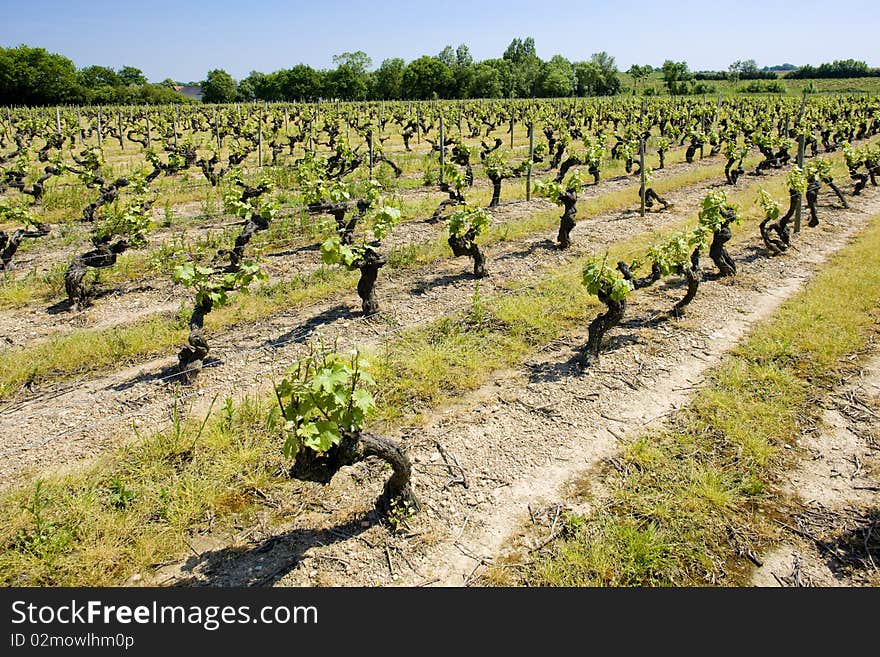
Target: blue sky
{"x": 183, "y": 40}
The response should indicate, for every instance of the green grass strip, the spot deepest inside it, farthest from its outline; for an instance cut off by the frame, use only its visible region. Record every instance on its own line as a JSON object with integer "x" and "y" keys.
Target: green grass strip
{"x": 696, "y": 495}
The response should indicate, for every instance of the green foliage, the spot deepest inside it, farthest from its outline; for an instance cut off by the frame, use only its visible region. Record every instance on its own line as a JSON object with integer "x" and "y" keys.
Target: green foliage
{"x": 797, "y": 180}
{"x": 264, "y": 205}
{"x": 598, "y": 278}
{"x": 385, "y": 218}
{"x": 453, "y": 177}
{"x": 92, "y": 160}
{"x": 324, "y": 394}
{"x": 15, "y": 213}
{"x": 734, "y": 151}
{"x": 210, "y": 284}
{"x": 333, "y": 252}
{"x": 595, "y": 153}
{"x": 134, "y": 219}
{"x": 497, "y": 165}
{"x": 714, "y": 204}
{"x": 770, "y": 205}
{"x": 554, "y": 191}
{"x": 673, "y": 253}
{"x": 469, "y": 218}
{"x": 819, "y": 169}
{"x": 855, "y": 157}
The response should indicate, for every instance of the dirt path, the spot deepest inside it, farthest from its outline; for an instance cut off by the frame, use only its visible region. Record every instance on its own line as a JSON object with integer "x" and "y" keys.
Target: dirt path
{"x": 520, "y": 440}
{"x": 834, "y": 538}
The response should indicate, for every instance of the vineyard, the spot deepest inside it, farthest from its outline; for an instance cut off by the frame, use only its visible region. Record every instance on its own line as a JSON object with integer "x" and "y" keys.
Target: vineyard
{"x": 433, "y": 342}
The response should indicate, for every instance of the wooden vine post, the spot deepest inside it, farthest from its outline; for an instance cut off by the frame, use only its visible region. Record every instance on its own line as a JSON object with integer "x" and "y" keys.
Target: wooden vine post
{"x": 217, "y": 130}
{"x": 442, "y": 149}
{"x": 260, "y": 139}
{"x": 147, "y": 114}
{"x": 531, "y": 160}
{"x": 800, "y": 163}
{"x": 642, "y": 173}
{"x": 176, "y": 121}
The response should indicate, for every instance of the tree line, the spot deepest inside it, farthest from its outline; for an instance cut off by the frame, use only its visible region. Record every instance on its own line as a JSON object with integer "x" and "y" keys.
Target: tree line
{"x": 34, "y": 76}
{"x": 453, "y": 73}
{"x": 842, "y": 68}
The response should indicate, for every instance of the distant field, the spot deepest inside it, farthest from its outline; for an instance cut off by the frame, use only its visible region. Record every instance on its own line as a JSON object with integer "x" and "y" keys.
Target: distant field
{"x": 793, "y": 87}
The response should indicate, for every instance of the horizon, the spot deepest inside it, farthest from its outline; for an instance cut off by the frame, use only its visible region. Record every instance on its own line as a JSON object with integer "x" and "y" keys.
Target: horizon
{"x": 185, "y": 49}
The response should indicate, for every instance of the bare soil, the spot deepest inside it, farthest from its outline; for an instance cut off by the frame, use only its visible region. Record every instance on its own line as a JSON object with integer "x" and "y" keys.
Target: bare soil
{"x": 834, "y": 537}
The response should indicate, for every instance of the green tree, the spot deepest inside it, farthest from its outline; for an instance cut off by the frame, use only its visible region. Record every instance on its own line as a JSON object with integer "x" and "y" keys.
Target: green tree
{"x": 219, "y": 87}
{"x": 461, "y": 63}
{"x": 92, "y": 77}
{"x": 427, "y": 77}
{"x": 676, "y": 75}
{"x": 34, "y": 76}
{"x": 487, "y": 82}
{"x": 350, "y": 79}
{"x": 263, "y": 86}
{"x": 597, "y": 77}
{"x": 301, "y": 82}
{"x": 557, "y": 78}
{"x": 389, "y": 79}
{"x": 447, "y": 56}
{"x": 640, "y": 74}
{"x": 525, "y": 67}
{"x": 129, "y": 75}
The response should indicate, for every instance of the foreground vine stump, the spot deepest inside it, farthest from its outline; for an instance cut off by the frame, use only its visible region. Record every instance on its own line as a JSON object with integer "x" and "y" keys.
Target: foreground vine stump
{"x": 325, "y": 401}
{"x": 464, "y": 228}
{"x": 353, "y": 448}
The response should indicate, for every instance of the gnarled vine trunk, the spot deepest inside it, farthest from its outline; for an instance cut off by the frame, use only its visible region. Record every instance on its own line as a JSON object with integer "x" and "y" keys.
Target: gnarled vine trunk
{"x": 651, "y": 196}
{"x": 566, "y": 221}
{"x": 601, "y": 325}
{"x": 191, "y": 358}
{"x": 465, "y": 246}
{"x": 344, "y": 228}
{"x": 353, "y": 448}
{"x": 692, "y": 276}
{"x": 720, "y": 256}
{"x": 104, "y": 255}
{"x": 775, "y": 245}
{"x": 9, "y": 243}
{"x": 812, "y": 200}
{"x": 732, "y": 173}
{"x": 369, "y": 266}
{"x": 837, "y": 193}
{"x": 639, "y": 283}
{"x": 108, "y": 194}
{"x": 496, "y": 190}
